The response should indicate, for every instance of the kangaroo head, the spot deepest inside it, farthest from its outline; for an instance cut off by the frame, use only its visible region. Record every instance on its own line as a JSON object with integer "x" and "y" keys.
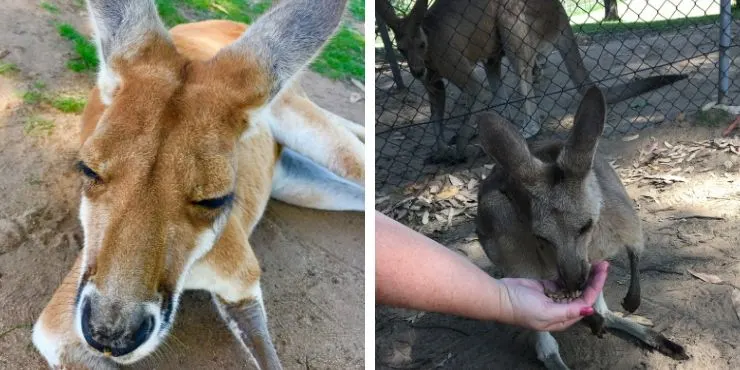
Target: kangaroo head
{"x": 159, "y": 167}
{"x": 410, "y": 37}
{"x": 564, "y": 196}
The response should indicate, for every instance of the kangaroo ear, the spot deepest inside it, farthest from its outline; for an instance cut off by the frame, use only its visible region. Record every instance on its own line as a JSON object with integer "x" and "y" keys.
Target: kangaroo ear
{"x": 387, "y": 13}
{"x": 501, "y": 141}
{"x": 416, "y": 16}
{"x": 578, "y": 153}
{"x": 279, "y": 44}
{"x": 123, "y": 30}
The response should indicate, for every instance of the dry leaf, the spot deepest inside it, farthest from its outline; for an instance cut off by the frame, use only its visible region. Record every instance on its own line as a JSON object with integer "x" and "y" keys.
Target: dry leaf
{"x": 447, "y": 193}
{"x": 425, "y": 217}
{"x": 455, "y": 181}
{"x": 358, "y": 84}
{"x": 714, "y": 279}
{"x": 736, "y": 301}
{"x": 667, "y": 144}
{"x": 630, "y": 138}
{"x": 355, "y": 97}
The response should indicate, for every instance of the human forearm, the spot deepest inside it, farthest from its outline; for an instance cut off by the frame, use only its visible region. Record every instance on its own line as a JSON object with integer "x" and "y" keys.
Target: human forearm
{"x": 413, "y": 271}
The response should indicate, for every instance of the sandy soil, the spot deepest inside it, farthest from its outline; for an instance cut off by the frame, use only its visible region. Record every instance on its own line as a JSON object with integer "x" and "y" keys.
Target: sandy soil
{"x": 688, "y": 225}
{"x": 313, "y": 275}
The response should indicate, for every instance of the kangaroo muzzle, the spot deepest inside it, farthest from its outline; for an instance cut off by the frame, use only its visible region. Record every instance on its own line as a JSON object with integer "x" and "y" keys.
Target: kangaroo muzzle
{"x": 574, "y": 275}
{"x": 114, "y": 327}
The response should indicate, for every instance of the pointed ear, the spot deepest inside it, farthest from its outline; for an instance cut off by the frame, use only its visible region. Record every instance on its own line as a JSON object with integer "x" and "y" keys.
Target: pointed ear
{"x": 122, "y": 29}
{"x": 387, "y": 13}
{"x": 279, "y": 44}
{"x": 578, "y": 153}
{"x": 501, "y": 141}
{"x": 416, "y": 16}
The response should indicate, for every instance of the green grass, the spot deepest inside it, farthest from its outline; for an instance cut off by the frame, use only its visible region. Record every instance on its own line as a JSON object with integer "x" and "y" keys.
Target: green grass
{"x": 343, "y": 56}
{"x": 86, "y": 59}
{"x": 169, "y": 13}
{"x": 357, "y": 9}
{"x": 69, "y": 104}
{"x": 38, "y": 126}
{"x": 663, "y": 25}
{"x": 7, "y": 68}
{"x": 49, "y": 7}
{"x": 33, "y": 96}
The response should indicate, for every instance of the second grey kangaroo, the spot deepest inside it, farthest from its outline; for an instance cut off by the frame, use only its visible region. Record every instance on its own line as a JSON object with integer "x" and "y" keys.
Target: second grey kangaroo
{"x": 549, "y": 209}
{"x": 452, "y": 36}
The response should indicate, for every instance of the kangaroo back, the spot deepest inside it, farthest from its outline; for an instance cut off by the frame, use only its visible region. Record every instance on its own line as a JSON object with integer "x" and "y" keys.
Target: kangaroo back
{"x": 549, "y": 209}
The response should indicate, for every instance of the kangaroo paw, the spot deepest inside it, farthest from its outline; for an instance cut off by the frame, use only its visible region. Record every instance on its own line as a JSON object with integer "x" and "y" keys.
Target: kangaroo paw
{"x": 631, "y": 302}
{"x": 596, "y": 323}
{"x": 670, "y": 348}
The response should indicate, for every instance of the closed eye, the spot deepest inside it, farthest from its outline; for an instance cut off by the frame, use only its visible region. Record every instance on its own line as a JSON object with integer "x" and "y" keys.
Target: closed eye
{"x": 585, "y": 228}
{"x": 85, "y": 170}
{"x": 216, "y": 203}
{"x": 543, "y": 240}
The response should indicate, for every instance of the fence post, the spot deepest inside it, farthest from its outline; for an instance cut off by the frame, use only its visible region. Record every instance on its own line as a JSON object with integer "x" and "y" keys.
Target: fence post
{"x": 390, "y": 56}
{"x": 725, "y": 19}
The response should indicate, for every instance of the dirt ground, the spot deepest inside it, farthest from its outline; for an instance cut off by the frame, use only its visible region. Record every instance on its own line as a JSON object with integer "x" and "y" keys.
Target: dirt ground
{"x": 313, "y": 261}
{"x": 691, "y": 224}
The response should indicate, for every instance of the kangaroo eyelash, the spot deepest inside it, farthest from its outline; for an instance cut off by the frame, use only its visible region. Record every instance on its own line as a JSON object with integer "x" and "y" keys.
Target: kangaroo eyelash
{"x": 586, "y": 227}
{"x": 216, "y": 203}
{"x": 87, "y": 171}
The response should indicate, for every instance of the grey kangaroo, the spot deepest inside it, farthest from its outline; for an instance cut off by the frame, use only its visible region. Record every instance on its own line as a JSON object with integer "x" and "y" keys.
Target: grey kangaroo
{"x": 449, "y": 39}
{"x": 550, "y": 208}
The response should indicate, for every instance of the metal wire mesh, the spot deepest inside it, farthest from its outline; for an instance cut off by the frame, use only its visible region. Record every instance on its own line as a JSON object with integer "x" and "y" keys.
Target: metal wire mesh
{"x": 650, "y": 38}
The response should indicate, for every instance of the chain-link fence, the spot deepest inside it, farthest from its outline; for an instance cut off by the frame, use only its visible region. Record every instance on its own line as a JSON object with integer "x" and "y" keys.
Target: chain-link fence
{"x": 456, "y": 55}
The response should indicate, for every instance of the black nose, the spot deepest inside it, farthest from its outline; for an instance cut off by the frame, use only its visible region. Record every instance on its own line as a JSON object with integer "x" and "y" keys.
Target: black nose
{"x": 575, "y": 277}
{"x": 120, "y": 338}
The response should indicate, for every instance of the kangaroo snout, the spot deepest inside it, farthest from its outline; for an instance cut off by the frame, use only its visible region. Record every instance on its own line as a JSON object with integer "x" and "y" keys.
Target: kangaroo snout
{"x": 574, "y": 276}
{"x": 113, "y": 327}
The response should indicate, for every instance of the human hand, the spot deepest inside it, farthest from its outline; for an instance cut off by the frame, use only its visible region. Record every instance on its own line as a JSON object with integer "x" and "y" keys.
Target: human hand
{"x": 531, "y": 308}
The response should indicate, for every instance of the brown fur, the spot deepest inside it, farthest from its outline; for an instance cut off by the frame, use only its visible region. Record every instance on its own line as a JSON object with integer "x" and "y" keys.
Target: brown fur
{"x": 173, "y": 136}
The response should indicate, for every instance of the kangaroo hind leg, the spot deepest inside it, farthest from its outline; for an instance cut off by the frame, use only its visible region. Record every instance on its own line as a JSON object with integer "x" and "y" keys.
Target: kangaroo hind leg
{"x": 300, "y": 181}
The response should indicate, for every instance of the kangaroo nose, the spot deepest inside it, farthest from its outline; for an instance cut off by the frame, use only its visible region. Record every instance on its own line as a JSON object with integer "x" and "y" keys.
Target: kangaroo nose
{"x": 116, "y": 335}
{"x": 575, "y": 277}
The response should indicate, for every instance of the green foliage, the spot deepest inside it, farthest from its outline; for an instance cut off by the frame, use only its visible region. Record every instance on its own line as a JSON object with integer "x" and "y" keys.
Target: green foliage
{"x": 49, "y": 7}
{"x": 8, "y": 68}
{"x": 343, "y": 56}
{"x": 357, "y": 9}
{"x": 69, "y": 104}
{"x": 87, "y": 58}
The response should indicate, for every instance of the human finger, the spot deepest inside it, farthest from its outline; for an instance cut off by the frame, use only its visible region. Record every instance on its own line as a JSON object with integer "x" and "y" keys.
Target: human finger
{"x": 599, "y": 271}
